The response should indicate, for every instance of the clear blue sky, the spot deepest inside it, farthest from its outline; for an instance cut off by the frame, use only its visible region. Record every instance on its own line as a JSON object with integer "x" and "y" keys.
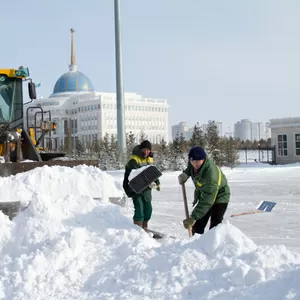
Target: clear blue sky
{"x": 220, "y": 60}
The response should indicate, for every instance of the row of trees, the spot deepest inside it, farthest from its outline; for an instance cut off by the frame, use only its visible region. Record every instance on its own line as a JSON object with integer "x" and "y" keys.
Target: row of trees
{"x": 172, "y": 156}
{"x": 222, "y": 150}
{"x": 253, "y": 145}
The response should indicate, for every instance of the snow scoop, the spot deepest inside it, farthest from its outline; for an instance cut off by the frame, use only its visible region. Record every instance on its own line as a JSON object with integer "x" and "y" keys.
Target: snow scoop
{"x": 158, "y": 235}
{"x": 141, "y": 181}
{"x": 264, "y": 206}
{"x": 186, "y": 207}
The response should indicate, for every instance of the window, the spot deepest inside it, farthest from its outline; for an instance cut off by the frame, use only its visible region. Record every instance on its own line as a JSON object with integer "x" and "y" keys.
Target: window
{"x": 75, "y": 126}
{"x": 282, "y": 145}
{"x": 11, "y": 101}
{"x": 66, "y": 127}
{"x": 297, "y": 143}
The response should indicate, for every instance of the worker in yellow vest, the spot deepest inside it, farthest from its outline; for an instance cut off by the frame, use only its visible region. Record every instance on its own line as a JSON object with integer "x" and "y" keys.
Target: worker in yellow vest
{"x": 141, "y": 156}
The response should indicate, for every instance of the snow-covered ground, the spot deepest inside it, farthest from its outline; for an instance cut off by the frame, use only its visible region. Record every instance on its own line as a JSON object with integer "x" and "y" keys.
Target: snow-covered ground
{"x": 66, "y": 245}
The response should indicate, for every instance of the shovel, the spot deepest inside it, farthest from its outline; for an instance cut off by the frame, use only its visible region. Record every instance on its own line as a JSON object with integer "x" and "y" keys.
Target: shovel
{"x": 264, "y": 206}
{"x": 186, "y": 207}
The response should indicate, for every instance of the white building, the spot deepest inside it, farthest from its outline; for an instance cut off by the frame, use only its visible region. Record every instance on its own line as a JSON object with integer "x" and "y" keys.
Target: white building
{"x": 252, "y": 131}
{"x": 285, "y": 136}
{"x": 242, "y": 130}
{"x": 220, "y": 128}
{"x": 182, "y": 128}
{"x": 91, "y": 115}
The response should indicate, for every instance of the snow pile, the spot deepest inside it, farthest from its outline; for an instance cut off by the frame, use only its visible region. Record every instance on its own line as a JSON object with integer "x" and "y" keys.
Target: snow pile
{"x": 59, "y": 181}
{"x": 66, "y": 245}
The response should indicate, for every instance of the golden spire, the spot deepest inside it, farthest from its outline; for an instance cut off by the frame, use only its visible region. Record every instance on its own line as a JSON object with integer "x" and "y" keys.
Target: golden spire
{"x": 72, "y": 66}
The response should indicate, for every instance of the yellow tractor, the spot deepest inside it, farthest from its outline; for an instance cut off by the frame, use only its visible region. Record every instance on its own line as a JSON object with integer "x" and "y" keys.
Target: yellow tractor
{"x": 25, "y": 142}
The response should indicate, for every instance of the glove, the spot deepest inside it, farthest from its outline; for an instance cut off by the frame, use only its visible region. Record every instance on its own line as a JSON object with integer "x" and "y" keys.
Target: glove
{"x": 182, "y": 178}
{"x": 188, "y": 223}
{"x": 158, "y": 187}
{"x": 152, "y": 185}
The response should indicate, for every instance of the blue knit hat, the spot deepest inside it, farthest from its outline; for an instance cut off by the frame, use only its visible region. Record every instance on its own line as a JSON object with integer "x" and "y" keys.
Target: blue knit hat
{"x": 197, "y": 153}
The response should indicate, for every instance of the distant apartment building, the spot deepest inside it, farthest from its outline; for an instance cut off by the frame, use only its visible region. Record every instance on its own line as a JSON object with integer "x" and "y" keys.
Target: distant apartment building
{"x": 182, "y": 128}
{"x": 219, "y": 128}
{"x": 252, "y": 131}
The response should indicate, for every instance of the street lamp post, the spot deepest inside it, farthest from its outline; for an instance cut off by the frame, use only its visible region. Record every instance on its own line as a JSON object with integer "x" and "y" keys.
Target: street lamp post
{"x": 119, "y": 82}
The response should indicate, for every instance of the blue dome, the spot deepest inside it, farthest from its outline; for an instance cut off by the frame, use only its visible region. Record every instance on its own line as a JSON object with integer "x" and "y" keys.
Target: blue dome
{"x": 72, "y": 82}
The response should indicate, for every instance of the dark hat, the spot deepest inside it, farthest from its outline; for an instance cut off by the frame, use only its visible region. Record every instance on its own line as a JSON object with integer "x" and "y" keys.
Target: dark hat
{"x": 146, "y": 144}
{"x": 197, "y": 153}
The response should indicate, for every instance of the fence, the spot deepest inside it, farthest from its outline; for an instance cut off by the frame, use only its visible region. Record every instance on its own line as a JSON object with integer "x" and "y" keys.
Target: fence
{"x": 261, "y": 154}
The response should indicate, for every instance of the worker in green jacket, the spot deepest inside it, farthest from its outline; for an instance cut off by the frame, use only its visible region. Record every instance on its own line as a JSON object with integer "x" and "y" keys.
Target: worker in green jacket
{"x": 212, "y": 193}
{"x": 141, "y": 156}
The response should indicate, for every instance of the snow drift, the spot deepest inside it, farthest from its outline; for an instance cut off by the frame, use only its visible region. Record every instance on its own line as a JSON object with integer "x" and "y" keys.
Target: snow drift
{"x": 66, "y": 245}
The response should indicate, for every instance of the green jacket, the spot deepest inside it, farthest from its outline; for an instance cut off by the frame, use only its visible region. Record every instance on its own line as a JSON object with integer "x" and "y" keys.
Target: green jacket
{"x": 136, "y": 161}
{"x": 210, "y": 187}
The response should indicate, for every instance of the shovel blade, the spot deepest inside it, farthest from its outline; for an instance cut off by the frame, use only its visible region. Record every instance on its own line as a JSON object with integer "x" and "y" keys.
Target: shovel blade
{"x": 266, "y": 206}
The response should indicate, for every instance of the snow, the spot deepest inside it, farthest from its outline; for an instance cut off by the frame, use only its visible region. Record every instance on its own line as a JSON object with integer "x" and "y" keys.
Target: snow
{"x": 136, "y": 172}
{"x": 59, "y": 182}
{"x": 66, "y": 245}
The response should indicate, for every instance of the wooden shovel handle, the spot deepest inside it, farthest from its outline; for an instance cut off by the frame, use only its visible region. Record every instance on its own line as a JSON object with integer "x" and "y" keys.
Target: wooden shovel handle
{"x": 186, "y": 207}
{"x": 247, "y": 213}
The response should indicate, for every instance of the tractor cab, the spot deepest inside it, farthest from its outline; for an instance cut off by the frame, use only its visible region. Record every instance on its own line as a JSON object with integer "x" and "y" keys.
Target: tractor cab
{"x": 11, "y": 96}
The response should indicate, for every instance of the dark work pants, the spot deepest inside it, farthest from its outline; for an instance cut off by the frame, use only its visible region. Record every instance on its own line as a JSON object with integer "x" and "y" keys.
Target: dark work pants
{"x": 216, "y": 214}
{"x": 142, "y": 208}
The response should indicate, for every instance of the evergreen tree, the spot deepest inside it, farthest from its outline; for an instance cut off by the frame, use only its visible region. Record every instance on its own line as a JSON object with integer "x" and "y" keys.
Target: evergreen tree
{"x": 114, "y": 155}
{"x": 97, "y": 150}
{"x": 183, "y": 144}
{"x": 79, "y": 148}
{"x": 230, "y": 152}
{"x": 105, "y": 145}
{"x": 248, "y": 144}
{"x": 241, "y": 144}
{"x": 111, "y": 159}
{"x": 142, "y": 135}
{"x": 213, "y": 142}
{"x": 254, "y": 144}
{"x": 130, "y": 143}
{"x": 263, "y": 143}
{"x": 198, "y": 138}
{"x": 68, "y": 137}
{"x": 178, "y": 162}
{"x": 163, "y": 158}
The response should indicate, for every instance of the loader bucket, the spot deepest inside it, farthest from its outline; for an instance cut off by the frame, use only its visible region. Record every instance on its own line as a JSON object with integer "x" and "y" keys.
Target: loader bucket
{"x": 8, "y": 169}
